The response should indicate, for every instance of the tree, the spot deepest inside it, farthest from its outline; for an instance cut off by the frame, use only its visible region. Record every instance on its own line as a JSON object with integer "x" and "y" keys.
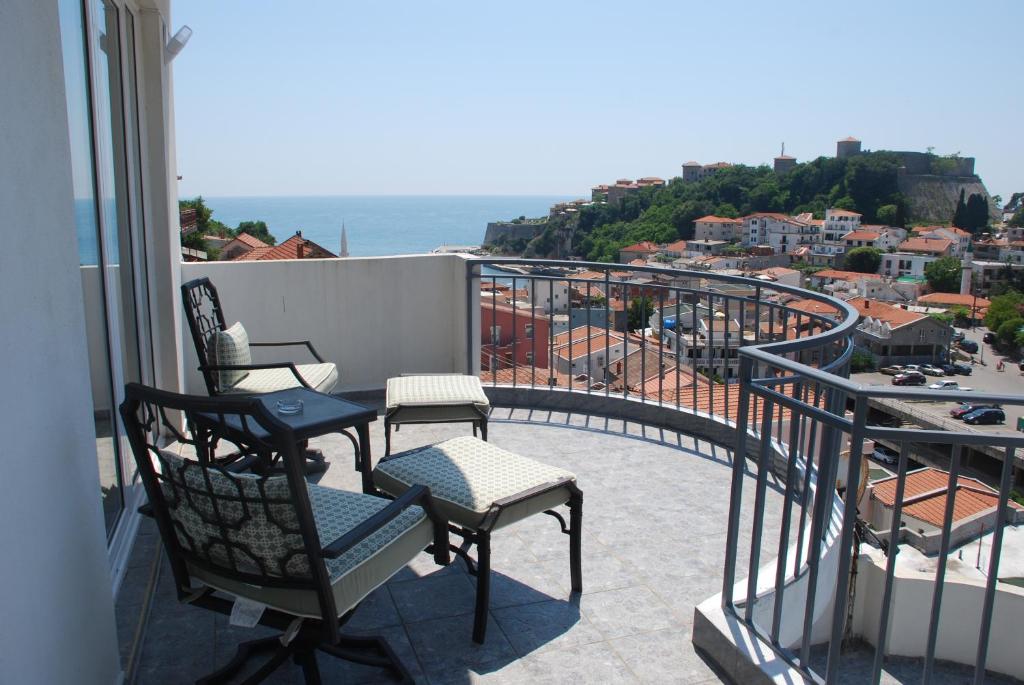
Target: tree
{"x": 257, "y": 229}
{"x": 1003, "y": 309}
{"x": 864, "y": 260}
{"x": 960, "y": 213}
{"x": 961, "y": 315}
{"x": 889, "y": 215}
{"x": 862, "y": 360}
{"x": 1007, "y": 331}
{"x": 943, "y": 275}
{"x": 976, "y": 214}
{"x": 640, "y": 310}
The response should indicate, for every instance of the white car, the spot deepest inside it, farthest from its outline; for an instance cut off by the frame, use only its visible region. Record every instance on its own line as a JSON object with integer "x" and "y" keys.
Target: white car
{"x": 948, "y": 385}
{"x": 885, "y": 455}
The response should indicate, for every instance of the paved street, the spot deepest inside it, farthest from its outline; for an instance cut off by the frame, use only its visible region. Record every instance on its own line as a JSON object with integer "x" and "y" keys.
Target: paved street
{"x": 985, "y": 378}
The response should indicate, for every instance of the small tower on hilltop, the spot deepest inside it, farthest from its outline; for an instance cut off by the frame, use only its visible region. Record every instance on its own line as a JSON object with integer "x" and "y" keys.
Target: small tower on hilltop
{"x": 847, "y": 147}
{"x": 343, "y": 252}
{"x": 784, "y": 162}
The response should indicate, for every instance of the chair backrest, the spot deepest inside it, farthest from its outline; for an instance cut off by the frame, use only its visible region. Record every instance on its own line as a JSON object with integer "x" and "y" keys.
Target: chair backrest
{"x": 255, "y": 529}
{"x": 205, "y": 318}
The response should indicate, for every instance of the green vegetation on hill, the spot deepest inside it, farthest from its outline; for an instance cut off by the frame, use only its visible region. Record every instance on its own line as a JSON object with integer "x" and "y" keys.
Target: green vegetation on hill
{"x": 866, "y": 183}
{"x": 207, "y": 225}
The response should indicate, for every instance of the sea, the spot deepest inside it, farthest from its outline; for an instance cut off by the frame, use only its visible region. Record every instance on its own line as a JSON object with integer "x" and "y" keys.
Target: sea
{"x": 382, "y": 224}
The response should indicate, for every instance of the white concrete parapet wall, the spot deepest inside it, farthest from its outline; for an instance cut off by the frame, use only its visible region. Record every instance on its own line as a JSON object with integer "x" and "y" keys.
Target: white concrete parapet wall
{"x": 375, "y": 317}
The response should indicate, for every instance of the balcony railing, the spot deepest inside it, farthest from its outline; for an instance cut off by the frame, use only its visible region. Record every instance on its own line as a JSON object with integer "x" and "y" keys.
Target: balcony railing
{"x": 789, "y": 407}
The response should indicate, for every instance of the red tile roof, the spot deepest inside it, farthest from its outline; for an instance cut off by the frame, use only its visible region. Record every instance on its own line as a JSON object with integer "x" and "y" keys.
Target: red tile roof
{"x": 954, "y": 299}
{"x": 250, "y": 240}
{"x": 862, "y": 235}
{"x": 928, "y": 245}
{"x": 813, "y": 307}
{"x": 880, "y": 311}
{"x": 677, "y": 246}
{"x": 289, "y": 249}
{"x": 837, "y": 275}
{"x": 711, "y": 218}
{"x": 843, "y": 212}
{"x": 925, "y": 494}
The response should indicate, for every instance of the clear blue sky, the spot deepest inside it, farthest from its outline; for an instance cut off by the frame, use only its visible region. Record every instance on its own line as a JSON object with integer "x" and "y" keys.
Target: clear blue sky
{"x": 330, "y": 97}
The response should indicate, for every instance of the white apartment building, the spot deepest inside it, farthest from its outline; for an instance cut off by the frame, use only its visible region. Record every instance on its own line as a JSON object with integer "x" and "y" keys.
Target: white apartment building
{"x": 896, "y": 264}
{"x": 780, "y": 232}
{"x": 960, "y": 238}
{"x": 591, "y": 351}
{"x": 714, "y": 349}
{"x": 717, "y": 228}
{"x": 551, "y": 297}
{"x": 838, "y": 222}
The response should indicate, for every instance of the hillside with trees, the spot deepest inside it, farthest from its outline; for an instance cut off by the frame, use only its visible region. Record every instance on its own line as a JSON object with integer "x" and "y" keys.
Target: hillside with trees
{"x": 207, "y": 225}
{"x": 866, "y": 183}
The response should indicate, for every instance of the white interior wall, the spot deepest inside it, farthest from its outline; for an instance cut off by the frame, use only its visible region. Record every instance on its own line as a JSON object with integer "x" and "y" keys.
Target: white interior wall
{"x": 375, "y": 317}
{"x": 58, "y": 613}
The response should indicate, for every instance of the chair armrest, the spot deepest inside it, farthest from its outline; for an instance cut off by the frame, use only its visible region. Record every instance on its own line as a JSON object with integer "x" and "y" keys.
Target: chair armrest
{"x": 290, "y": 343}
{"x": 416, "y": 495}
{"x": 255, "y": 367}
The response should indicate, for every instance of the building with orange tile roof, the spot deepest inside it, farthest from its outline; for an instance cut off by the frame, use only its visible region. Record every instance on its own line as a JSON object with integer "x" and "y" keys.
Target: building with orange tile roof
{"x": 296, "y": 247}
{"x": 938, "y": 247}
{"x": 898, "y": 336}
{"x": 239, "y": 245}
{"x": 641, "y": 250}
{"x": 925, "y": 498}
{"x": 717, "y": 228}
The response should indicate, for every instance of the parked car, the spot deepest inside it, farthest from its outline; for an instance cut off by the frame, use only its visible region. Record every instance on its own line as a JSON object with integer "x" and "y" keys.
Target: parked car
{"x": 958, "y": 336}
{"x": 893, "y": 370}
{"x": 910, "y": 378}
{"x": 912, "y": 367}
{"x": 988, "y": 415}
{"x": 948, "y": 385}
{"x": 969, "y": 346}
{"x": 962, "y": 410}
{"x": 988, "y": 338}
{"x": 948, "y": 369}
{"x": 963, "y": 369}
{"x": 885, "y": 455}
{"x": 932, "y": 370}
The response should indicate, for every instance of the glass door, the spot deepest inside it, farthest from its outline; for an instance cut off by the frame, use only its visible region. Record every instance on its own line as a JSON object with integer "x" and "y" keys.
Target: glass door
{"x": 101, "y": 85}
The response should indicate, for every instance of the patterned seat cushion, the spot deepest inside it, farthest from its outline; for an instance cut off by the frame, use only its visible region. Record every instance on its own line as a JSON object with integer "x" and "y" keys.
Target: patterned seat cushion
{"x": 435, "y": 398}
{"x": 466, "y": 476}
{"x": 230, "y": 347}
{"x": 322, "y": 378}
{"x": 271, "y": 544}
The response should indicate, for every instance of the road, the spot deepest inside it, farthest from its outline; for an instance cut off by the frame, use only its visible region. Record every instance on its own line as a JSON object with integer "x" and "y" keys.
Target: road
{"x": 984, "y": 378}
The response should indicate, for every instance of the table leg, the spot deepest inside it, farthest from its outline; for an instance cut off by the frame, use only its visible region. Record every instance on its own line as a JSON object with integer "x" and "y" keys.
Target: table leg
{"x": 366, "y": 461}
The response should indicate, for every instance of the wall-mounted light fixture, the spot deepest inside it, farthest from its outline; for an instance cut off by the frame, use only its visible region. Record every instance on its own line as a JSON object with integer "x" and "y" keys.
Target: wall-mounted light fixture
{"x": 177, "y": 43}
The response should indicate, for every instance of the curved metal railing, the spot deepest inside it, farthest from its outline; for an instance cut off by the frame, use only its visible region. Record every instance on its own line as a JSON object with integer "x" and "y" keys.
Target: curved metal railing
{"x": 781, "y": 385}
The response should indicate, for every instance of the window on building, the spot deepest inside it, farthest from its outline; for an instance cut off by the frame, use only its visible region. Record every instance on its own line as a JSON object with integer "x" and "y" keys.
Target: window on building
{"x": 528, "y": 331}
{"x": 495, "y": 335}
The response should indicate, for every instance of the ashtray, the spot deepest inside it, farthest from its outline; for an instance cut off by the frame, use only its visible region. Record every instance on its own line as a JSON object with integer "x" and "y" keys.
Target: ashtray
{"x": 289, "y": 407}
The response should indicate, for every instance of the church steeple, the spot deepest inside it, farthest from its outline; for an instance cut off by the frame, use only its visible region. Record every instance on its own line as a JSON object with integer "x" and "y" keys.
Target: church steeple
{"x": 343, "y": 252}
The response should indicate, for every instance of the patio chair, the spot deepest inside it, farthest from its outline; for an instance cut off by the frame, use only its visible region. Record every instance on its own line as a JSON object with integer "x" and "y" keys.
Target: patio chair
{"x": 225, "y": 354}
{"x": 300, "y": 556}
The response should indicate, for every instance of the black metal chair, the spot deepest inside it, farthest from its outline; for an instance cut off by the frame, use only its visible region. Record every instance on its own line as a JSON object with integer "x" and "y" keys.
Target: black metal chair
{"x": 236, "y": 373}
{"x": 308, "y": 554}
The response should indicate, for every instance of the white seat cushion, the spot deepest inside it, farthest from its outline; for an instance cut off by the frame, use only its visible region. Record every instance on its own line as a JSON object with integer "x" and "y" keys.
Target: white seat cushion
{"x": 322, "y": 377}
{"x": 467, "y": 475}
{"x": 435, "y": 398}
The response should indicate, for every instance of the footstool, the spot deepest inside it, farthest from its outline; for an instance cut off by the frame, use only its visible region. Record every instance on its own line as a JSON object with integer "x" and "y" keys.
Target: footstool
{"x": 480, "y": 488}
{"x": 435, "y": 398}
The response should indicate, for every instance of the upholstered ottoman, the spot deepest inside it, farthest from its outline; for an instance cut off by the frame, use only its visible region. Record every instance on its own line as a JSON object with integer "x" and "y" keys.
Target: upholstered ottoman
{"x": 480, "y": 488}
{"x": 435, "y": 398}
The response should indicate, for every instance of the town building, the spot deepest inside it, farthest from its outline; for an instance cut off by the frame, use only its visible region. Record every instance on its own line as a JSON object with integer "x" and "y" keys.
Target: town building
{"x": 780, "y": 232}
{"x": 588, "y": 351}
{"x": 550, "y": 296}
{"x": 513, "y": 334}
{"x": 847, "y": 147}
{"x": 242, "y": 243}
{"x": 695, "y": 171}
{"x": 295, "y": 247}
{"x": 894, "y": 335}
{"x": 973, "y": 303}
{"x": 717, "y": 228}
{"x": 641, "y": 250}
{"x": 925, "y": 501}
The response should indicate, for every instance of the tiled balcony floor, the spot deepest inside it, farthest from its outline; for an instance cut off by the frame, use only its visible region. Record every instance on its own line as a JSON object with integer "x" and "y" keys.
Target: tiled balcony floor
{"x": 654, "y": 523}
